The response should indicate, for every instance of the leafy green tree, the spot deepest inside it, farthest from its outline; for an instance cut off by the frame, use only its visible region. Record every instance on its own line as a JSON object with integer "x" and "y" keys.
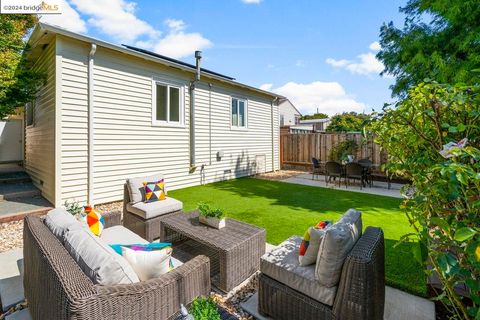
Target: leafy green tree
{"x": 424, "y": 138}
{"x": 19, "y": 82}
{"x": 438, "y": 41}
{"x": 348, "y": 122}
{"x": 314, "y": 116}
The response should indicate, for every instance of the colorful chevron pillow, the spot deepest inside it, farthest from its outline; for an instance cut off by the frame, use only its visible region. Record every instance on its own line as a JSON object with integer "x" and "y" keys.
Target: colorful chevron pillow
{"x": 154, "y": 191}
{"x": 310, "y": 245}
{"x": 94, "y": 220}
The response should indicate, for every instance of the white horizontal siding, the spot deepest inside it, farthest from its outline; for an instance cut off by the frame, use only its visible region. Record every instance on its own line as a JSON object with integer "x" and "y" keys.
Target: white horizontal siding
{"x": 74, "y": 122}
{"x": 40, "y": 138}
{"x": 127, "y": 145}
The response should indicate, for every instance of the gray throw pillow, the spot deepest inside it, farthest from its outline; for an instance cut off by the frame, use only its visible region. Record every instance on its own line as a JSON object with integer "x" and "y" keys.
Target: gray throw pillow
{"x": 353, "y": 218}
{"x": 97, "y": 259}
{"x": 337, "y": 242}
{"x": 59, "y": 220}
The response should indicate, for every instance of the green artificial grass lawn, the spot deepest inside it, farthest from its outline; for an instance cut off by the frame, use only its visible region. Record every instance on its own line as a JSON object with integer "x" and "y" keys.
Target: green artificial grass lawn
{"x": 285, "y": 209}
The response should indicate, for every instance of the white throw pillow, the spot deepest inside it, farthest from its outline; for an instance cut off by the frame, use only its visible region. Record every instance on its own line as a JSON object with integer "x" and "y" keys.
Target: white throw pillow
{"x": 149, "y": 264}
{"x": 310, "y": 246}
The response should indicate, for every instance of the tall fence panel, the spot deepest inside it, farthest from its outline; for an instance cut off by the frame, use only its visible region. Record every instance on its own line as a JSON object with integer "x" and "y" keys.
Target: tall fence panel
{"x": 299, "y": 149}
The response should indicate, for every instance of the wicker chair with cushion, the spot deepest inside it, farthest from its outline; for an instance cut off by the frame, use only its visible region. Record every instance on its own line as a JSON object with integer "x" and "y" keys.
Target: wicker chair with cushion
{"x": 334, "y": 170}
{"x": 355, "y": 290}
{"x": 57, "y": 288}
{"x": 144, "y": 218}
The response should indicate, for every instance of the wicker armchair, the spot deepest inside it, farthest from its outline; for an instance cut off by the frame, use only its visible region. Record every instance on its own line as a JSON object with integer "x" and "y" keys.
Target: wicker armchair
{"x": 148, "y": 229}
{"x": 56, "y": 287}
{"x": 360, "y": 292}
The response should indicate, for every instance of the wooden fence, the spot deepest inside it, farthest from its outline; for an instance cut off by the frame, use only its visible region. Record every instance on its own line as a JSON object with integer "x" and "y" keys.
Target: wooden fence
{"x": 297, "y": 150}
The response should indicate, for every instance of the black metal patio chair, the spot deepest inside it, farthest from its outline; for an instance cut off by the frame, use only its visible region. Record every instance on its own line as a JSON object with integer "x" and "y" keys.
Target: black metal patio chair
{"x": 334, "y": 170}
{"x": 354, "y": 170}
{"x": 316, "y": 170}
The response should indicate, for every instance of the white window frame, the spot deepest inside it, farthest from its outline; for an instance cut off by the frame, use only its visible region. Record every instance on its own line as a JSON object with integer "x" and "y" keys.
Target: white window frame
{"x": 237, "y": 127}
{"x": 181, "y": 103}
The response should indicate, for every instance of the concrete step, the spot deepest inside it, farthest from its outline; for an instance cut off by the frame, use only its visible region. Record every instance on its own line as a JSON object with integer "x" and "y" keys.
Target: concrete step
{"x": 15, "y": 209}
{"x": 11, "y": 278}
{"x": 10, "y": 191}
{"x": 23, "y": 314}
{"x": 14, "y": 177}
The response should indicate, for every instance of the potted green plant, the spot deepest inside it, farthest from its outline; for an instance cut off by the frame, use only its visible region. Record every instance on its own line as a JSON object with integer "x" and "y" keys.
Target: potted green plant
{"x": 204, "y": 309}
{"x": 212, "y": 217}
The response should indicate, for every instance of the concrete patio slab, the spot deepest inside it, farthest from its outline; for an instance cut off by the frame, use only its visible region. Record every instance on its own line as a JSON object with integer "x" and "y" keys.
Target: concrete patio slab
{"x": 379, "y": 188}
{"x": 11, "y": 278}
{"x": 23, "y": 314}
{"x": 399, "y": 305}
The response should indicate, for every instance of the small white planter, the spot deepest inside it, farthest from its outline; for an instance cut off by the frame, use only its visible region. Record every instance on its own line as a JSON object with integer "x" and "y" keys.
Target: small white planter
{"x": 212, "y": 222}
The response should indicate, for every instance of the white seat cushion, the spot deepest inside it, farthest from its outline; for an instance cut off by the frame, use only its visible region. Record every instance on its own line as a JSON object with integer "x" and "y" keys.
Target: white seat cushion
{"x": 121, "y": 235}
{"x": 155, "y": 209}
{"x": 136, "y": 189}
{"x": 97, "y": 259}
{"x": 282, "y": 265}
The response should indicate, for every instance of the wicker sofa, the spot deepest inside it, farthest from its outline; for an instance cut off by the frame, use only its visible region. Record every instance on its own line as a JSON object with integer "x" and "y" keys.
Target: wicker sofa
{"x": 56, "y": 287}
{"x": 360, "y": 294}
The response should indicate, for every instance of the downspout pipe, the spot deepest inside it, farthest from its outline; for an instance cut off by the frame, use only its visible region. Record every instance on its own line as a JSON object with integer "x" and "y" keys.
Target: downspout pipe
{"x": 273, "y": 133}
{"x": 91, "y": 55}
{"x": 198, "y": 58}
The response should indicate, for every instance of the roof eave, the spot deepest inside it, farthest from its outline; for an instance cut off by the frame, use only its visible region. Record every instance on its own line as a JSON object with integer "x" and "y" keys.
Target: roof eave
{"x": 42, "y": 27}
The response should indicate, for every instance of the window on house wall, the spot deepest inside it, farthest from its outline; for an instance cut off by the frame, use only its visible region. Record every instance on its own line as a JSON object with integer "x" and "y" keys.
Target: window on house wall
{"x": 168, "y": 104}
{"x": 29, "y": 110}
{"x": 282, "y": 120}
{"x": 239, "y": 113}
{"x": 297, "y": 119}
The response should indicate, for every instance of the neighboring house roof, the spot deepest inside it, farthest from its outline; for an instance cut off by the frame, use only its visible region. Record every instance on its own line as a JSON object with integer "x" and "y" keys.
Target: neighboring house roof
{"x": 286, "y": 100}
{"x": 314, "y": 121}
{"x": 300, "y": 127}
{"x": 43, "y": 29}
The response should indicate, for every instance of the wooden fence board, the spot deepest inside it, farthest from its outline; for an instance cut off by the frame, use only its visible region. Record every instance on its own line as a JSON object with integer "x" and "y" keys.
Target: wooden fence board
{"x": 298, "y": 149}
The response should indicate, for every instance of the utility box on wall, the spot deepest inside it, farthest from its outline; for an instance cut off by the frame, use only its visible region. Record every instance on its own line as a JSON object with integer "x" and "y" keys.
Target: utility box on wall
{"x": 260, "y": 163}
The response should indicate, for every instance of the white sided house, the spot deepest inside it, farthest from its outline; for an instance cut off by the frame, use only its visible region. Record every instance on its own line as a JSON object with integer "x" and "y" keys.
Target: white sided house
{"x": 109, "y": 112}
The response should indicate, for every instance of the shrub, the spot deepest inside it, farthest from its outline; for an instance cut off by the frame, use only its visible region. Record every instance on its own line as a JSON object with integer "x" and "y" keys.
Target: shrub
{"x": 342, "y": 150}
{"x": 421, "y": 138}
{"x": 74, "y": 208}
{"x": 204, "y": 309}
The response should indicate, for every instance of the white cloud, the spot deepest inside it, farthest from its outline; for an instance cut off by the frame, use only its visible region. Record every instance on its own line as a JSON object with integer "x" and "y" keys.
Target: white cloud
{"x": 69, "y": 19}
{"x": 177, "y": 43}
{"x": 375, "y": 46}
{"x": 300, "y": 63}
{"x": 366, "y": 63}
{"x": 252, "y": 1}
{"x": 266, "y": 86}
{"x": 338, "y": 63}
{"x": 115, "y": 18}
{"x": 328, "y": 97}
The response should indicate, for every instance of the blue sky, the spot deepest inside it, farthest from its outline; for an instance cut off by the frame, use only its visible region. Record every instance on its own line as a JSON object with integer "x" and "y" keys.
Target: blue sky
{"x": 320, "y": 54}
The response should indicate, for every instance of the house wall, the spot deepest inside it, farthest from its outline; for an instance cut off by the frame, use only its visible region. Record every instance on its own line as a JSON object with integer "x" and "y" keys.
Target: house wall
{"x": 127, "y": 145}
{"x": 289, "y": 113}
{"x": 40, "y": 137}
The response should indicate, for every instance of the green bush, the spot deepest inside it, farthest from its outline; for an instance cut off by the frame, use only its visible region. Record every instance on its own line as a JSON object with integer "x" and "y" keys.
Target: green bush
{"x": 204, "y": 309}
{"x": 342, "y": 150}
{"x": 421, "y": 136}
{"x": 74, "y": 208}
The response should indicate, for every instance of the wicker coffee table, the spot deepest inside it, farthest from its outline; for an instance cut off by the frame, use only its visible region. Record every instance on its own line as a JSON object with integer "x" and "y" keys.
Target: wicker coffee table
{"x": 234, "y": 250}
